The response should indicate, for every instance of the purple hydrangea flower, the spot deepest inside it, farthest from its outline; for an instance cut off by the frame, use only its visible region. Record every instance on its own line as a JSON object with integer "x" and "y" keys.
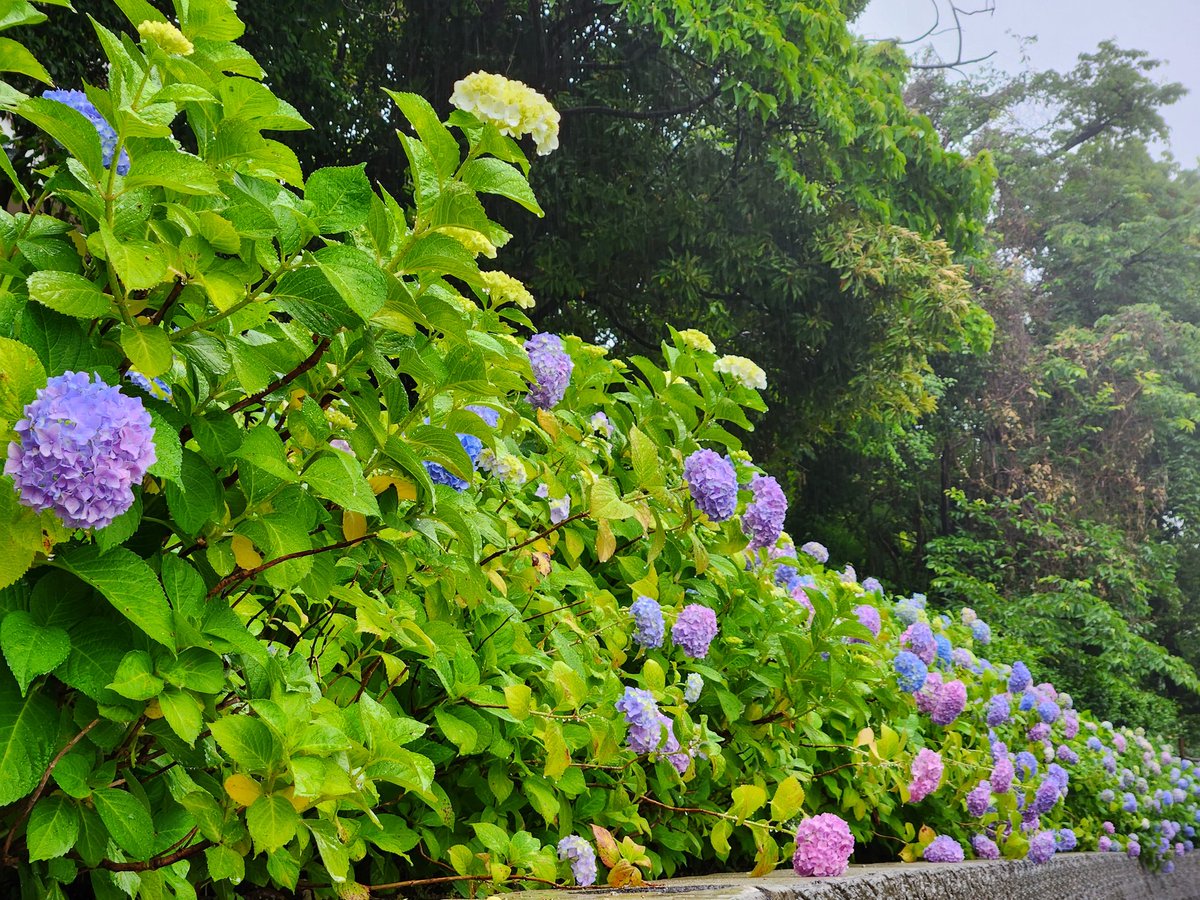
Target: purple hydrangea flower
{"x": 343, "y": 445}
{"x": 582, "y": 857}
{"x": 981, "y": 631}
{"x": 927, "y": 697}
{"x": 156, "y": 387}
{"x": 1027, "y": 765}
{"x": 1041, "y": 847}
{"x": 919, "y": 638}
{"x": 80, "y": 450}
{"x": 1039, "y": 732}
{"x": 951, "y": 698}
{"x": 823, "y": 846}
{"x": 872, "y": 586}
{"x": 648, "y": 621}
{"x": 979, "y": 798}
{"x": 998, "y": 710}
{"x": 644, "y": 720}
{"x": 712, "y": 484}
{"x": 552, "y": 369}
{"x": 911, "y": 673}
{"x": 1134, "y": 850}
{"x": 817, "y": 551}
{"x": 763, "y": 519}
{"x": 1020, "y": 678}
{"x": 1002, "y": 775}
{"x": 1046, "y": 796}
{"x": 694, "y": 630}
{"x": 441, "y": 475}
{"x": 868, "y": 617}
{"x": 79, "y": 102}
{"x": 784, "y": 574}
{"x": 944, "y": 848}
{"x": 1048, "y": 711}
{"x": 984, "y": 847}
{"x": 1067, "y": 755}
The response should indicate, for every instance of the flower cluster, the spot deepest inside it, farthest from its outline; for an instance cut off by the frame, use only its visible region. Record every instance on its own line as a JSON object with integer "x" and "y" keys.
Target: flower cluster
{"x": 439, "y": 474}
{"x": 823, "y": 846}
{"x": 648, "y": 622}
{"x": 513, "y": 107}
{"x": 944, "y": 849}
{"x": 503, "y": 288}
{"x": 695, "y": 629}
{"x": 79, "y": 102}
{"x": 712, "y": 483}
{"x": 744, "y": 371}
{"x": 552, "y": 369}
{"x": 926, "y": 774}
{"x": 166, "y": 36}
{"x": 697, "y": 340}
{"x": 582, "y": 857}
{"x": 80, "y": 450}
{"x": 763, "y": 519}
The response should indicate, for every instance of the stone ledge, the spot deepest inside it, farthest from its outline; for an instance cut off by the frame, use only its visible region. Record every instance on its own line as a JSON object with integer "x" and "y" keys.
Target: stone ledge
{"x": 1073, "y": 876}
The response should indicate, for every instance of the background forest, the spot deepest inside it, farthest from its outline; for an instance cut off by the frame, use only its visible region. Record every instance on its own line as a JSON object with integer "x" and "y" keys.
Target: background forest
{"x": 977, "y": 308}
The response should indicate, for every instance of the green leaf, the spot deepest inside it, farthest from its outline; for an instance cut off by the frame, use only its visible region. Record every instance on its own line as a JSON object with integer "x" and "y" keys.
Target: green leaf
{"x": 747, "y": 799}
{"x": 788, "y": 799}
{"x": 225, "y": 864}
{"x": 272, "y": 822}
{"x": 168, "y": 450}
{"x": 140, "y": 264}
{"x": 127, "y": 820}
{"x": 69, "y": 127}
{"x": 72, "y": 295}
{"x": 135, "y": 678}
{"x": 356, "y": 277}
{"x": 148, "y": 348}
{"x": 331, "y": 847}
{"x": 15, "y": 58}
{"x": 20, "y": 538}
{"x": 441, "y": 144}
{"x": 248, "y": 742}
{"x": 436, "y": 255}
{"x": 443, "y": 447}
{"x": 196, "y": 669}
{"x": 31, "y": 649}
{"x": 128, "y": 584}
{"x": 53, "y": 828}
{"x": 263, "y": 448}
{"x": 27, "y": 729}
{"x": 492, "y": 176}
{"x": 341, "y": 197}
{"x": 606, "y": 502}
{"x": 309, "y": 296}
{"x": 179, "y": 171}
{"x": 198, "y": 498}
{"x": 338, "y": 477}
{"x": 183, "y": 712}
{"x": 458, "y": 732}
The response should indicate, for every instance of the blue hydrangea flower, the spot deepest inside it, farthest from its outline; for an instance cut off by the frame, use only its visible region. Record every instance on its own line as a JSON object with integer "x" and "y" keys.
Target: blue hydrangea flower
{"x": 440, "y": 475}
{"x": 154, "y": 387}
{"x": 1028, "y": 701}
{"x": 694, "y": 630}
{"x": 910, "y": 671}
{"x": 552, "y": 369}
{"x": 784, "y": 574}
{"x": 643, "y": 718}
{"x": 582, "y": 857}
{"x": 79, "y": 101}
{"x": 981, "y": 631}
{"x": 1048, "y": 711}
{"x": 908, "y": 611}
{"x": 998, "y": 710}
{"x": 693, "y": 688}
{"x": 817, "y": 551}
{"x": 1093, "y": 743}
{"x": 489, "y": 415}
{"x": 648, "y": 620}
{"x": 763, "y": 519}
{"x": 712, "y": 483}
{"x": 1107, "y": 796}
{"x": 1060, "y": 776}
{"x": 944, "y": 649}
{"x": 1130, "y": 805}
{"x": 80, "y": 450}
{"x": 1020, "y": 678}
{"x": 872, "y": 586}
{"x": 1027, "y": 765}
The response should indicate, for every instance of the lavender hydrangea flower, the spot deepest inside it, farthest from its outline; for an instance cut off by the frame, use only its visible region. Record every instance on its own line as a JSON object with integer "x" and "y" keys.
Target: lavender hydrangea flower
{"x": 1002, "y": 775}
{"x": 981, "y": 631}
{"x": 823, "y": 846}
{"x": 582, "y": 857}
{"x": 439, "y": 474}
{"x": 79, "y": 102}
{"x": 80, "y": 450}
{"x": 694, "y": 630}
{"x": 343, "y": 445}
{"x": 868, "y": 617}
{"x": 872, "y": 585}
{"x": 693, "y": 687}
{"x": 1041, "y": 847}
{"x": 648, "y": 622}
{"x": 1026, "y": 764}
{"x": 644, "y": 720}
{"x": 1020, "y": 678}
{"x": 1039, "y": 732}
{"x": 156, "y": 387}
{"x": 1067, "y": 755}
{"x": 1044, "y": 799}
{"x": 817, "y": 551}
{"x": 944, "y": 848}
{"x": 919, "y": 638}
{"x": 763, "y": 519}
{"x": 984, "y": 847}
{"x": 998, "y": 711}
{"x": 712, "y": 484}
{"x": 979, "y": 798}
{"x": 926, "y": 774}
{"x": 489, "y": 415}
{"x": 1065, "y": 840}
{"x": 784, "y": 574}
{"x": 927, "y": 697}
{"x": 552, "y": 369}
{"x": 951, "y": 699}
{"x": 911, "y": 673}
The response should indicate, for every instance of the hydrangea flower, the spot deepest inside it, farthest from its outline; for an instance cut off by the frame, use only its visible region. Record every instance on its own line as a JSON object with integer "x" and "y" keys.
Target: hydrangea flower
{"x": 502, "y": 466}
{"x": 744, "y": 371}
{"x": 1027, "y": 765}
{"x": 343, "y": 445}
{"x": 79, "y": 102}
{"x": 823, "y": 846}
{"x": 643, "y": 718}
{"x": 998, "y": 710}
{"x": 695, "y": 629}
{"x": 1048, "y": 711}
{"x": 648, "y": 622}
{"x": 80, "y": 449}
{"x": 166, "y": 36}
{"x": 693, "y": 688}
{"x": 926, "y": 774}
{"x": 600, "y": 424}
{"x": 694, "y": 339}
{"x": 503, "y": 288}
{"x": 872, "y": 585}
{"x": 1067, "y": 755}
{"x": 1133, "y": 850}
{"x": 979, "y": 798}
{"x": 490, "y": 417}
{"x": 911, "y": 673}
{"x": 984, "y": 847}
{"x": 440, "y": 475}
{"x": 763, "y": 519}
{"x": 1020, "y": 678}
{"x": 944, "y": 848}
{"x": 981, "y": 631}
{"x": 868, "y": 617}
{"x": 816, "y": 551}
{"x": 1041, "y": 847}
{"x": 1044, "y": 799}
{"x": 513, "y": 107}
{"x": 582, "y": 857}
{"x": 945, "y": 649}
{"x": 156, "y": 387}
{"x": 907, "y": 611}
{"x": 712, "y": 483}
{"x": 1002, "y": 775}
{"x": 1028, "y": 701}
{"x": 1039, "y": 732}
{"x": 927, "y": 697}
{"x": 552, "y": 369}
{"x": 919, "y": 638}
{"x": 951, "y": 698}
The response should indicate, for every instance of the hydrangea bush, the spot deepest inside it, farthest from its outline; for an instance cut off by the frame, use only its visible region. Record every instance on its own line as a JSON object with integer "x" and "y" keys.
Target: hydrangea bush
{"x": 322, "y": 571}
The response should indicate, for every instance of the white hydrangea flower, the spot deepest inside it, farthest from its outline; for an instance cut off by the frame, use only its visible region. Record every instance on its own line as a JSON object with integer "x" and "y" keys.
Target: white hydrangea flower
{"x": 512, "y": 106}
{"x": 695, "y": 339}
{"x": 503, "y": 288}
{"x": 744, "y": 371}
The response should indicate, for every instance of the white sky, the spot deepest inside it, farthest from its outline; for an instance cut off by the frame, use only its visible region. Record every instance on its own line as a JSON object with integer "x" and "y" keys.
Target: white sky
{"x": 1168, "y": 29}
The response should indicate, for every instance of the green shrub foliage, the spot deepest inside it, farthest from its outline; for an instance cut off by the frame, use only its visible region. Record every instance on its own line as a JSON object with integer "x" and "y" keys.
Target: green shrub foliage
{"x": 365, "y": 621}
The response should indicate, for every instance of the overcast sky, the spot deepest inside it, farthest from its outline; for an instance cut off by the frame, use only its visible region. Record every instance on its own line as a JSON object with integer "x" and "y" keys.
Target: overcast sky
{"x": 1167, "y": 29}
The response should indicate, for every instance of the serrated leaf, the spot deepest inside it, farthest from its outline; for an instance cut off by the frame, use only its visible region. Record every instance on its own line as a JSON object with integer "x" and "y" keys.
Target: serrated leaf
{"x": 27, "y": 729}
{"x": 788, "y": 799}
{"x": 69, "y": 127}
{"x": 174, "y": 169}
{"x": 53, "y": 828}
{"x": 148, "y": 348}
{"x": 135, "y": 678}
{"x": 606, "y": 846}
{"x": 438, "y": 141}
{"x": 31, "y": 649}
{"x": 248, "y": 742}
{"x": 128, "y": 584}
{"x": 747, "y": 800}
{"x": 341, "y": 197}
{"x": 606, "y": 503}
{"x": 127, "y": 820}
{"x": 183, "y": 712}
{"x": 272, "y": 822}
{"x": 517, "y": 697}
{"x": 493, "y": 176}
{"x": 72, "y": 295}
{"x": 14, "y": 57}
{"x": 338, "y": 477}
{"x": 225, "y": 864}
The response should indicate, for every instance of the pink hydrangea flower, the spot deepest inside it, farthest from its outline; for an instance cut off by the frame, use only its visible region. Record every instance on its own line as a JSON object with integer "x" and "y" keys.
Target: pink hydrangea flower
{"x": 926, "y": 774}
{"x": 823, "y": 846}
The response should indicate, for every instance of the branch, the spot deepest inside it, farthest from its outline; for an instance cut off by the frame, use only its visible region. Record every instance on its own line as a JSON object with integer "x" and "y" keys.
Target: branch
{"x": 241, "y": 575}
{"x": 157, "y": 862}
{"x": 537, "y": 537}
{"x": 283, "y": 379}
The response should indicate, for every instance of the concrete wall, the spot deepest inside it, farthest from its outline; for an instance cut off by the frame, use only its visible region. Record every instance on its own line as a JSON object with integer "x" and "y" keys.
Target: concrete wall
{"x": 1069, "y": 876}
